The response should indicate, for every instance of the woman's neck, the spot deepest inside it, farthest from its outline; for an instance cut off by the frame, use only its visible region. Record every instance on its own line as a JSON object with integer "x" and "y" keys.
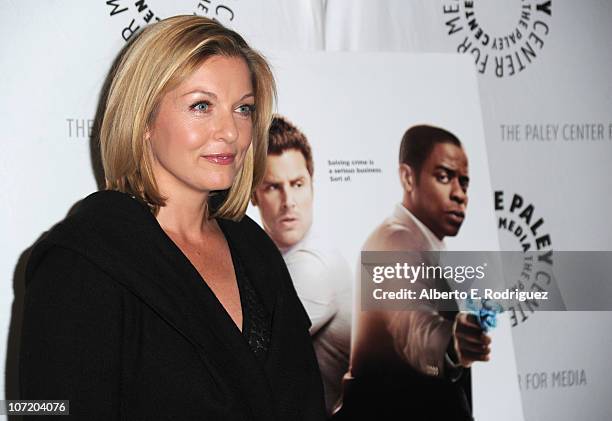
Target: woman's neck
{"x": 184, "y": 216}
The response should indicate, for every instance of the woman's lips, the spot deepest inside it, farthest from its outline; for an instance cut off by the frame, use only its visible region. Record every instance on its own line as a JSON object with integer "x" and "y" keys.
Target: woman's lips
{"x": 220, "y": 159}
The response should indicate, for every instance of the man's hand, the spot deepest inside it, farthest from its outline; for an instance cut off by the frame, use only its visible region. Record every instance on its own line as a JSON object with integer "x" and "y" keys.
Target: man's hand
{"x": 471, "y": 343}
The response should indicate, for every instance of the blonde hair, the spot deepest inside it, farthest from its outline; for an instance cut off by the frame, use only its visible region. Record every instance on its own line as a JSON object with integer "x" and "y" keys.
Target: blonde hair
{"x": 160, "y": 57}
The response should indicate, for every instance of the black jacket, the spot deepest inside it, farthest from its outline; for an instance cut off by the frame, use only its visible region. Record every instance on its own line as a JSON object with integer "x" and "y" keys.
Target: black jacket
{"x": 119, "y": 322}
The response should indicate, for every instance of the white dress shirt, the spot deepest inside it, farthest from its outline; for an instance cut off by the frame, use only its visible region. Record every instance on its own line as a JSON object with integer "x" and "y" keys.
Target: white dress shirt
{"x": 322, "y": 279}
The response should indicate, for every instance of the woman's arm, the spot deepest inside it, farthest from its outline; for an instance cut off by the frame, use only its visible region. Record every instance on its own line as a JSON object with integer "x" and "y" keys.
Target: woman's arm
{"x": 71, "y": 337}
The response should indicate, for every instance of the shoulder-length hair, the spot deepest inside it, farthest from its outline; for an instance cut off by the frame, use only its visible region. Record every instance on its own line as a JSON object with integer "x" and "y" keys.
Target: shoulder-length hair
{"x": 163, "y": 55}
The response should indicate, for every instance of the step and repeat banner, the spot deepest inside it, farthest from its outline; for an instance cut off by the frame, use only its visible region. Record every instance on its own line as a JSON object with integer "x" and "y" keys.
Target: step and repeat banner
{"x": 523, "y": 85}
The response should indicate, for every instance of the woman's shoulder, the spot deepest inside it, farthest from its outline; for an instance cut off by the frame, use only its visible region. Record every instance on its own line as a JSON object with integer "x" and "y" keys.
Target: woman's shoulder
{"x": 246, "y": 230}
{"x": 102, "y": 209}
{"x": 106, "y": 206}
{"x": 258, "y": 253}
{"x": 107, "y": 220}
{"x": 101, "y": 216}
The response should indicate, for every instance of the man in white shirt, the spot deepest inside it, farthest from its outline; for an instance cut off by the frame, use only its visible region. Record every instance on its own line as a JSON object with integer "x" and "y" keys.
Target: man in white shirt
{"x": 415, "y": 363}
{"x": 321, "y": 276}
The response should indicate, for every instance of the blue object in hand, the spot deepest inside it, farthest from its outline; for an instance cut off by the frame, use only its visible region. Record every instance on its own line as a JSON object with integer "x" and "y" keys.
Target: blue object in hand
{"x": 486, "y": 316}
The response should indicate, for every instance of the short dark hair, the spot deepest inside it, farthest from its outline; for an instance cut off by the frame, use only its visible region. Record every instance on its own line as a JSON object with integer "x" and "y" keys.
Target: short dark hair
{"x": 419, "y": 141}
{"x": 284, "y": 136}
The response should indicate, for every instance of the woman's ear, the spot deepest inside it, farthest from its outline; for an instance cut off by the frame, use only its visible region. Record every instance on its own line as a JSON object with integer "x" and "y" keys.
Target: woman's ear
{"x": 407, "y": 177}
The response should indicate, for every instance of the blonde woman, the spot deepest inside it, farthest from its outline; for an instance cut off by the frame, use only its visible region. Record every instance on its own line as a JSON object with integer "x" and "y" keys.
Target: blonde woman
{"x": 158, "y": 298}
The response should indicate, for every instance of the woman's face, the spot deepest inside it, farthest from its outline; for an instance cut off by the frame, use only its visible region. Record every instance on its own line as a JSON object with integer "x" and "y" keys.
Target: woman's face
{"x": 203, "y": 127}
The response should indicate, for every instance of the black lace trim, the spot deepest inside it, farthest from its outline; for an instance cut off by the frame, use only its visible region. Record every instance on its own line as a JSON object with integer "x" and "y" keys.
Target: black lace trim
{"x": 256, "y": 323}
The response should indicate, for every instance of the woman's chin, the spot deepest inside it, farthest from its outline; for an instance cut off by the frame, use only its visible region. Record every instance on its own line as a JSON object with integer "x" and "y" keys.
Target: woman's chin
{"x": 217, "y": 185}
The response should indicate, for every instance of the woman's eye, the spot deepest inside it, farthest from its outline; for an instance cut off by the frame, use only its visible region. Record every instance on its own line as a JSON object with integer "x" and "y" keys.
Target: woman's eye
{"x": 246, "y": 109}
{"x": 200, "y": 106}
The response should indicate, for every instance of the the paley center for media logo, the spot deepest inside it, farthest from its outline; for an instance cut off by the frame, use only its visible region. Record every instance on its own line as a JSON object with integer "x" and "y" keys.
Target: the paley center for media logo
{"x": 503, "y": 37}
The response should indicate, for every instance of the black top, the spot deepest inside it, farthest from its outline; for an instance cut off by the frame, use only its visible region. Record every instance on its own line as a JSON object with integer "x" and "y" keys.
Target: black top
{"x": 118, "y": 321}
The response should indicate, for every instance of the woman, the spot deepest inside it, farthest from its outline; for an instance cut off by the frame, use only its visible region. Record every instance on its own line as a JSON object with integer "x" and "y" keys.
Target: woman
{"x": 158, "y": 298}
